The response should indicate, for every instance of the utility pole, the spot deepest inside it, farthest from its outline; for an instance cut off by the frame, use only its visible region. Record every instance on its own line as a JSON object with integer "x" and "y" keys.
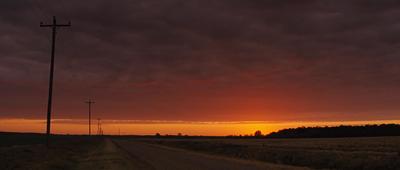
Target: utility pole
{"x": 90, "y": 102}
{"x": 54, "y": 26}
{"x": 99, "y": 129}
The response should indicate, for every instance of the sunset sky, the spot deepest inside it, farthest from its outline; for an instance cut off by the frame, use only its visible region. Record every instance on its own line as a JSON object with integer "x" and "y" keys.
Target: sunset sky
{"x": 203, "y": 60}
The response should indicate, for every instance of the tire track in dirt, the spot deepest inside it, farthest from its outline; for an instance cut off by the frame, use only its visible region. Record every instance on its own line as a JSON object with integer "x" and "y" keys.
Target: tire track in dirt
{"x": 152, "y": 156}
{"x": 136, "y": 160}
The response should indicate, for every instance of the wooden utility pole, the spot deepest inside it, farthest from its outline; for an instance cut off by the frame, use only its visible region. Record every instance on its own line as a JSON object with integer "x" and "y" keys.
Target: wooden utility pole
{"x": 54, "y": 27}
{"x": 90, "y": 102}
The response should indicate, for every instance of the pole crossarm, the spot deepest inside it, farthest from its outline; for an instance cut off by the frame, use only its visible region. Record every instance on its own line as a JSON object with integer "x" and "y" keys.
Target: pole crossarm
{"x": 54, "y": 24}
{"x": 57, "y": 25}
{"x": 90, "y": 102}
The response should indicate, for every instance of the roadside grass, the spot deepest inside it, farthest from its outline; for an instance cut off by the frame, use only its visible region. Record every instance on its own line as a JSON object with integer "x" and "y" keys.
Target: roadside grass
{"x": 65, "y": 152}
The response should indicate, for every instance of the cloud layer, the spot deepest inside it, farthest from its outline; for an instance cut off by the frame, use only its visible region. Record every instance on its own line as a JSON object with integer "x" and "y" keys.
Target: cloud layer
{"x": 204, "y": 59}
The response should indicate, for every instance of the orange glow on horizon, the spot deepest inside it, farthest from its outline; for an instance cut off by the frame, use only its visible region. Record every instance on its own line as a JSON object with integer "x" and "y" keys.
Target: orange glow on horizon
{"x": 134, "y": 127}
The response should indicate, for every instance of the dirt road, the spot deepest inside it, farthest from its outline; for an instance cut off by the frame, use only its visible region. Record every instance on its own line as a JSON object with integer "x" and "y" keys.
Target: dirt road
{"x": 159, "y": 157}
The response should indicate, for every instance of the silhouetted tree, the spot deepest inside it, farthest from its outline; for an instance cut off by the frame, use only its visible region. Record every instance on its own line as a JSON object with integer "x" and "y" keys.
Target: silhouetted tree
{"x": 258, "y": 133}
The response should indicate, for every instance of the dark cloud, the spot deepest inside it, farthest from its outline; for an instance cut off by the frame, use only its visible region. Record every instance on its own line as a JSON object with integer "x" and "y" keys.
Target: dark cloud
{"x": 170, "y": 59}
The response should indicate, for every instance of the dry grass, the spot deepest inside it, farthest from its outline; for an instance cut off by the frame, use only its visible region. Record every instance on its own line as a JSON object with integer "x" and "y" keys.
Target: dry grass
{"x": 64, "y": 153}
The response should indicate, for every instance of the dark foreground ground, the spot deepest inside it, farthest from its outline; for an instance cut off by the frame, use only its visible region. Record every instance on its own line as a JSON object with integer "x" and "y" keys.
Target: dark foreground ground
{"x": 318, "y": 153}
{"x": 82, "y": 152}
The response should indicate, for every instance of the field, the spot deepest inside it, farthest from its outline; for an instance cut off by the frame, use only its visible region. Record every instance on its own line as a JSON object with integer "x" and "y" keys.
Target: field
{"x": 27, "y": 151}
{"x": 331, "y": 153}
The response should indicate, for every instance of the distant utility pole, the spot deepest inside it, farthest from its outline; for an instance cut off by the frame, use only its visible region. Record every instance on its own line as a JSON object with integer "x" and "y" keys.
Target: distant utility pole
{"x": 99, "y": 129}
{"x": 54, "y": 26}
{"x": 90, "y": 102}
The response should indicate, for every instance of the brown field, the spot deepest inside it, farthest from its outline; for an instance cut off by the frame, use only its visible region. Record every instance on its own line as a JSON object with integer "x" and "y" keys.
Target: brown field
{"x": 331, "y": 153}
{"x": 80, "y": 152}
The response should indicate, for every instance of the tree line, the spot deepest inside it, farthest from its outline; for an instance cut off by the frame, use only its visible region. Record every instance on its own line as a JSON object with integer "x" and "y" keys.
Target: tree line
{"x": 338, "y": 131}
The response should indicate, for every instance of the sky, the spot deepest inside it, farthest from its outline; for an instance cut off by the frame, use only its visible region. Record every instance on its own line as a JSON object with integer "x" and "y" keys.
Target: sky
{"x": 203, "y": 60}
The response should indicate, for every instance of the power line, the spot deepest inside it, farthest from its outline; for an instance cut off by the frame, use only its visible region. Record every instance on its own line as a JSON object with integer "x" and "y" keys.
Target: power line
{"x": 54, "y": 27}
